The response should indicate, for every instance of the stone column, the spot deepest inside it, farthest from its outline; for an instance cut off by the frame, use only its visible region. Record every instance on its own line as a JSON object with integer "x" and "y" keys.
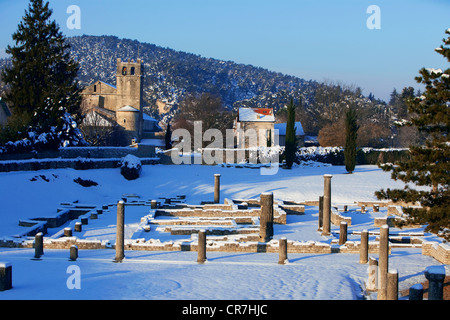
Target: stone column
{"x": 383, "y": 263}
{"x": 416, "y": 292}
{"x": 372, "y": 280}
{"x": 326, "y": 205}
{"x": 392, "y": 285}
{"x": 364, "y": 247}
{"x": 120, "y": 232}
{"x": 435, "y": 276}
{"x": 38, "y": 245}
{"x": 343, "y": 233}
{"x": 201, "y": 247}
{"x": 73, "y": 253}
{"x": 216, "y": 188}
{"x": 78, "y": 227}
{"x": 282, "y": 251}
{"x": 266, "y": 217}
{"x": 5, "y": 276}
{"x": 67, "y": 232}
{"x": 320, "y": 213}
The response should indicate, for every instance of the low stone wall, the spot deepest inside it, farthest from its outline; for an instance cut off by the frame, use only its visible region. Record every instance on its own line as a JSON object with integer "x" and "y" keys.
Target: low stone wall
{"x": 354, "y": 247}
{"x": 337, "y": 218}
{"x": 395, "y": 210}
{"x": 33, "y": 226}
{"x": 279, "y": 215}
{"x": 439, "y": 251}
{"x": 293, "y": 208}
{"x": 210, "y": 231}
{"x": 77, "y": 164}
{"x": 373, "y": 203}
{"x": 380, "y": 221}
{"x": 99, "y": 152}
{"x": 61, "y": 243}
{"x": 141, "y": 151}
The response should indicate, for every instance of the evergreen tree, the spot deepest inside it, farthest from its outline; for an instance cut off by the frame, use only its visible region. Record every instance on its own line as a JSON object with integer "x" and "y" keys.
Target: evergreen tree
{"x": 351, "y": 134}
{"x": 42, "y": 86}
{"x": 168, "y": 137}
{"x": 290, "y": 143}
{"x": 428, "y": 166}
{"x": 269, "y": 138}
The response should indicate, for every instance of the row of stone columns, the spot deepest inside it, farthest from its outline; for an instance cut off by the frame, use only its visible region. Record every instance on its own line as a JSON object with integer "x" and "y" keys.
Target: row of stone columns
{"x": 380, "y": 279}
{"x": 385, "y": 281}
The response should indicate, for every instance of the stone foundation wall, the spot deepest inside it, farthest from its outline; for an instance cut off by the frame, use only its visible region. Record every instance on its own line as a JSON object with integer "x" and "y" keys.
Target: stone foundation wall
{"x": 337, "y": 218}
{"x": 279, "y": 214}
{"x": 439, "y": 251}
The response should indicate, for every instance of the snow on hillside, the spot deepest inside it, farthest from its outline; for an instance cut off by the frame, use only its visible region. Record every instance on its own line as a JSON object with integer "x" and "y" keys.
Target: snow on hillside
{"x": 176, "y": 275}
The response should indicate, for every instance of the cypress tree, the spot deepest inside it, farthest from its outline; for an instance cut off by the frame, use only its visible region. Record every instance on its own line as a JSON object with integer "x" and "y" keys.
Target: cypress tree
{"x": 42, "y": 85}
{"x": 269, "y": 138}
{"x": 428, "y": 167}
{"x": 168, "y": 137}
{"x": 290, "y": 136}
{"x": 351, "y": 134}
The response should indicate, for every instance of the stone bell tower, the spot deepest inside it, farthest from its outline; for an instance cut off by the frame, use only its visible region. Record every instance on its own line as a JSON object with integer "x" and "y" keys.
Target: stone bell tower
{"x": 130, "y": 94}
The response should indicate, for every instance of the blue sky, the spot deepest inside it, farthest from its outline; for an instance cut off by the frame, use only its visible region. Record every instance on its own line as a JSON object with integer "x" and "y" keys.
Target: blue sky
{"x": 312, "y": 39}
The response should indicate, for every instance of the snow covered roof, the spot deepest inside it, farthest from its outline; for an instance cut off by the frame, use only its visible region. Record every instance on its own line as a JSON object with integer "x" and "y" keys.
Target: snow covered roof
{"x": 256, "y": 115}
{"x": 281, "y": 127}
{"x": 148, "y": 118}
{"x": 108, "y": 84}
{"x": 128, "y": 109}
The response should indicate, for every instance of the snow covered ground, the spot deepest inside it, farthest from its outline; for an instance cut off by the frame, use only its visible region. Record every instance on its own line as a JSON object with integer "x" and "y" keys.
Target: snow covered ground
{"x": 176, "y": 275}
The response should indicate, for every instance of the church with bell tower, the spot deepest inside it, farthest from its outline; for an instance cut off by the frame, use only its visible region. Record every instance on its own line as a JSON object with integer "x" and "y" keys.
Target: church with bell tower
{"x": 121, "y": 103}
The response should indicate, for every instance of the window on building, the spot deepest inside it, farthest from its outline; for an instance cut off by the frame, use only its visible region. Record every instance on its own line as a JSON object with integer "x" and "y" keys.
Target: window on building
{"x": 124, "y": 71}
{"x": 95, "y": 88}
{"x": 132, "y": 71}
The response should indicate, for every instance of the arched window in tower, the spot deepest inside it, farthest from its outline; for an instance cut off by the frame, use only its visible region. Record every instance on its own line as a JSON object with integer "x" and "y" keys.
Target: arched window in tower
{"x": 95, "y": 88}
{"x": 124, "y": 71}
{"x": 132, "y": 71}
